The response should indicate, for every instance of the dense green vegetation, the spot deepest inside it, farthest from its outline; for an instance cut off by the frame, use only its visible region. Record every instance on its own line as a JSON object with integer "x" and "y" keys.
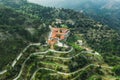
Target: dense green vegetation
{"x": 28, "y": 23}
{"x": 108, "y": 17}
{"x": 105, "y": 11}
{"x": 80, "y": 64}
{"x": 16, "y": 31}
{"x": 116, "y": 69}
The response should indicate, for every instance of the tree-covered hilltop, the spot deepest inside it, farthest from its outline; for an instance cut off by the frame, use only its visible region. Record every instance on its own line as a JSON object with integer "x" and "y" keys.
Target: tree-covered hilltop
{"x": 96, "y": 34}
{"x": 31, "y": 16}
{"x": 16, "y": 31}
{"x": 29, "y": 23}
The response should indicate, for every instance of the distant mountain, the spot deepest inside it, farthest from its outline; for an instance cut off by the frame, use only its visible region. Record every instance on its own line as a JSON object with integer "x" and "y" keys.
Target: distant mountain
{"x": 104, "y": 11}
{"x": 74, "y": 4}
{"x": 112, "y": 4}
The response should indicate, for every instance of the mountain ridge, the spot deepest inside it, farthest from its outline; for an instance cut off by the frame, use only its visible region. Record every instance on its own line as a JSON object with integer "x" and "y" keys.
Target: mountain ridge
{"x": 104, "y": 11}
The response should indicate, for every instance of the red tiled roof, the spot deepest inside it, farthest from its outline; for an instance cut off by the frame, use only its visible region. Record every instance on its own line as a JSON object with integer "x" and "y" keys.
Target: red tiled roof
{"x": 55, "y": 32}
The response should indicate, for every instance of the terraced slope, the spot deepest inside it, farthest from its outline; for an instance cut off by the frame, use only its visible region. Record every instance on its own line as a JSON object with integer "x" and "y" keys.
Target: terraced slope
{"x": 54, "y": 65}
{"x": 39, "y": 62}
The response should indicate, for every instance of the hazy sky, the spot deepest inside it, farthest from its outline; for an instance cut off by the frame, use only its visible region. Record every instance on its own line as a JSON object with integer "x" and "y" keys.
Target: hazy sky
{"x": 57, "y": 3}
{"x": 73, "y": 3}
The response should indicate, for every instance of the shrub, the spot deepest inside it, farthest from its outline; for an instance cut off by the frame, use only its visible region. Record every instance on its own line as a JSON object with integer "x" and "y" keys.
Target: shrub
{"x": 116, "y": 69}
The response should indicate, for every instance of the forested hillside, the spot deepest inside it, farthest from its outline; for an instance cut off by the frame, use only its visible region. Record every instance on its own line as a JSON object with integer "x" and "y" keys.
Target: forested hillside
{"x": 96, "y": 34}
{"x": 16, "y": 31}
{"x": 105, "y": 11}
{"x": 35, "y": 16}
{"x": 29, "y": 23}
{"x": 106, "y": 16}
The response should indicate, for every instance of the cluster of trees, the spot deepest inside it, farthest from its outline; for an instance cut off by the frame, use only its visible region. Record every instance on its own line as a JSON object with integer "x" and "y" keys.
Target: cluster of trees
{"x": 106, "y": 39}
{"x": 116, "y": 69}
{"x": 99, "y": 37}
{"x": 9, "y": 49}
{"x": 108, "y": 17}
{"x": 14, "y": 35}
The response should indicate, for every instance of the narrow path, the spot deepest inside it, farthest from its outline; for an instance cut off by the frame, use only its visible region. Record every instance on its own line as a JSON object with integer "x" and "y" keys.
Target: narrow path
{"x": 63, "y": 58}
{"x": 65, "y": 67}
{"x": 19, "y": 56}
{"x": 37, "y": 53}
{"x": 45, "y": 69}
{"x": 34, "y": 74}
{"x": 67, "y": 74}
{"x": 26, "y": 61}
{"x": 93, "y": 65}
{"x": 2, "y": 72}
{"x": 50, "y": 32}
{"x": 62, "y": 51}
{"x": 50, "y": 50}
{"x": 21, "y": 68}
